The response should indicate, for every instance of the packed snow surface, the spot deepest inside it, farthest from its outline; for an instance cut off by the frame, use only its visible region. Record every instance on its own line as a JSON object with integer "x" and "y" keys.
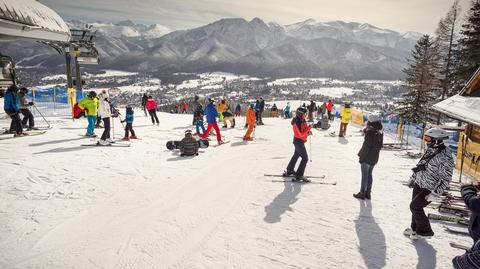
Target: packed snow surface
{"x": 67, "y": 206}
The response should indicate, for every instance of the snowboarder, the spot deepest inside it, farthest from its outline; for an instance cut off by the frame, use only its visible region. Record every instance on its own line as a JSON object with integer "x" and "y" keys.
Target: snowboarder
{"x": 198, "y": 114}
{"x": 144, "y": 102}
{"x": 329, "y": 109}
{"x": 345, "y": 119}
{"x": 211, "y": 113}
{"x": 11, "y": 105}
{"x": 129, "y": 124}
{"x": 104, "y": 111}
{"x": 184, "y": 107}
{"x": 301, "y": 131}
{"x": 251, "y": 122}
{"x": 188, "y": 145}
{"x": 238, "y": 110}
{"x": 368, "y": 154}
{"x": 228, "y": 116}
{"x": 430, "y": 178}
{"x": 152, "y": 109}
{"x": 25, "y": 109}
{"x": 261, "y": 108}
{"x": 274, "y": 111}
{"x": 312, "y": 107}
{"x": 90, "y": 104}
{"x": 286, "y": 111}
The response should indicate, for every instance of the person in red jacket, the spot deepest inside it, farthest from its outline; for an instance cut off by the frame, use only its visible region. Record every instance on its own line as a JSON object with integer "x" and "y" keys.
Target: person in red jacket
{"x": 184, "y": 107}
{"x": 152, "y": 109}
{"x": 301, "y": 131}
{"x": 329, "y": 109}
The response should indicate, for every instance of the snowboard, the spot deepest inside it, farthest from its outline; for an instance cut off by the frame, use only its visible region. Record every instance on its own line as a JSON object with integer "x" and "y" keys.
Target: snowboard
{"x": 118, "y": 145}
{"x": 172, "y": 145}
{"x": 29, "y": 133}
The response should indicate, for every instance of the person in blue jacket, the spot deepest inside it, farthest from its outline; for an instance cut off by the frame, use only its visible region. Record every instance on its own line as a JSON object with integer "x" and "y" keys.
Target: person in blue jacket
{"x": 11, "y": 105}
{"x": 211, "y": 113}
{"x": 129, "y": 126}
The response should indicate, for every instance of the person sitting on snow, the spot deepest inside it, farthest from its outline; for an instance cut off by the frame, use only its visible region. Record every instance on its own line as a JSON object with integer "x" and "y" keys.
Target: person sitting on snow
{"x": 188, "y": 145}
{"x": 430, "y": 179}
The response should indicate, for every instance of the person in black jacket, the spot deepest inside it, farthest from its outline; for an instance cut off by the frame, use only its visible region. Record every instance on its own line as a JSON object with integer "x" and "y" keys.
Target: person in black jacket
{"x": 472, "y": 200}
{"x": 261, "y": 108}
{"x": 369, "y": 153}
{"x": 144, "y": 101}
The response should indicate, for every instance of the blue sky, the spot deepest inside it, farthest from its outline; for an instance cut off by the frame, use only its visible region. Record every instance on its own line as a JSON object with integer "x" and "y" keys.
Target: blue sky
{"x": 400, "y": 15}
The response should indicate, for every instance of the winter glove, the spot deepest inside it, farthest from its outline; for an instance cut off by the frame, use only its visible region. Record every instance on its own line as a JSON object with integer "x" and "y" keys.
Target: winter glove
{"x": 418, "y": 168}
{"x": 31, "y": 103}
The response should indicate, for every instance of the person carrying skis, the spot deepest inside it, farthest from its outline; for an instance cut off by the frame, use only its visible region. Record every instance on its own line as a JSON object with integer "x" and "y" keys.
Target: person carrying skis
{"x": 188, "y": 145}
{"x": 144, "y": 102}
{"x": 329, "y": 109}
{"x": 251, "y": 119}
{"x": 369, "y": 153}
{"x": 152, "y": 109}
{"x": 25, "y": 109}
{"x": 129, "y": 124}
{"x": 104, "y": 111}
{"x": 11, "y": 105}
{"x": 198, "y": 114}
{"x": 211, "y": 113}
{"x": 261, "y": 108}
{"x": 312, "y": 107}
{"x": 238, "y": 110}
{"x": 430, "y": 178}
{"x": 286, "y": 111}
{"x": 274, "y": 111}
{"x": 301, "y": 131}
{"x": 90, "y": 104}
{"x": 345, "y": 119}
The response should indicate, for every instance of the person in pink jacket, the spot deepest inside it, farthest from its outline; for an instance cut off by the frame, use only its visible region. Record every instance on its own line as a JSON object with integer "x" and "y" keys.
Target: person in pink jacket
{"x": 152, "y": 109}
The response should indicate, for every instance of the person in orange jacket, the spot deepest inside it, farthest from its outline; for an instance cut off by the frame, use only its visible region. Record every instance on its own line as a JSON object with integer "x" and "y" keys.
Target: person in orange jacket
{"x": 221, "y": 107}
{"x": 251, "y": 119}
{"x": 301, "y": 131}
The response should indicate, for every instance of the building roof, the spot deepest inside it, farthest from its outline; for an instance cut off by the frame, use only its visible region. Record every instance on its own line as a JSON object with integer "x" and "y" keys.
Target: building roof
{"x": 31, "y": 19}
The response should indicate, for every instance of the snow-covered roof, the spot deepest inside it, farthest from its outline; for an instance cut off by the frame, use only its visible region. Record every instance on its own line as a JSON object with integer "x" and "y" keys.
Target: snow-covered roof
{"x": 31, "y": 19}
{"x": 464, "y": 108}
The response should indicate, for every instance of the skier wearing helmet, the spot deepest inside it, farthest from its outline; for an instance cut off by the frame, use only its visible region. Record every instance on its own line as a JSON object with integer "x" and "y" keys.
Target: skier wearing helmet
{"x": 430, "y": 178}
{"x": 301, "y": 131}
{"x": 90, "y": 103}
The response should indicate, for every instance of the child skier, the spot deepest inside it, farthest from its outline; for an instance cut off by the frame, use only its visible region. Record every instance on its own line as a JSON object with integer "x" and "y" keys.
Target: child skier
{"x": 301, "y": 131}
{"x": 129, "y": 126}
{"x": 152, "y": 109}
{"x": 90, "y": 103}
{"x": 251, "y": 123}
{"x": 212, "y": 114}
{"x": 188, "y": 145}
{"x": 430, "y": 178}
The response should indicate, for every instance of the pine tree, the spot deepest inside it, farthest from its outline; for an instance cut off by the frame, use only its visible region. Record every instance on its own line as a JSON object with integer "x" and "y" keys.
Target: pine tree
{"x": 421, "y": 82}
{"x": 469, "y": 46}
{"x": 446, "y": 42}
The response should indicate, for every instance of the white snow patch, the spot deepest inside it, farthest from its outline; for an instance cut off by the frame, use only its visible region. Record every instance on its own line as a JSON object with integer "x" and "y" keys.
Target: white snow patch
{"x": 333, "y": 91}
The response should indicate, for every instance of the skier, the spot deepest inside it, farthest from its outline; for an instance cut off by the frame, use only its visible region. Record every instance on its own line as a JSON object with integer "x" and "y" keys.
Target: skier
{"x": 25, "y": 109}
{"x": 228, "y": 116}
{"x": 199, "y": 120}
{"x": 184, "y": 107}
{"x": 129, "y": 126}
{"x": 368, "y": 154}
{"x": 144, "y": 102}
{"x": 472, "y": 201}
{"x": 152, "y": 109}
{"x": 430, "y": 178}
{"x": 301, "y": 131}
{"x": 329, "y": 109}
{"x": 188, "y": 145}
{"x": 323, "y": 110}
{"x": 251, "y": 123}
{"x": 90, "y": 104}
{"x": 274, "y": 110}
{"x": 286, "y": 111}
{"x": 238, "y": 110}
{"x": 221, "y": 106}
{"x": 212, "y": 114}
{"x": 312, "y": 107}
{"x": 257, "y": 109}
{"x": 104, "y": 111}
{"x": 11, "y": 105}
{"x": 261, "y": 108}
{"x": 196, "y": 106}
{"x": 345, "y": 119}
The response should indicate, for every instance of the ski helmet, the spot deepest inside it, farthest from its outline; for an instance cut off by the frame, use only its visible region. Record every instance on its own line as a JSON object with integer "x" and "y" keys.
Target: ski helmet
{"x": 92, "y": 94}
{"x": 301, "y": 111}
{"x": 436, "y": 133}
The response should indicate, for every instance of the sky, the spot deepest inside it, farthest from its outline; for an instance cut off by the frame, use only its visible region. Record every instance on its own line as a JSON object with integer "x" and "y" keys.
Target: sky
{"x": 399, "y": 15}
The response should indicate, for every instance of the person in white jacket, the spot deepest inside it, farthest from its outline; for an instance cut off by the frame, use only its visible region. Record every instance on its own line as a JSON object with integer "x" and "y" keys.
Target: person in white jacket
{"x": 104, "y": 112}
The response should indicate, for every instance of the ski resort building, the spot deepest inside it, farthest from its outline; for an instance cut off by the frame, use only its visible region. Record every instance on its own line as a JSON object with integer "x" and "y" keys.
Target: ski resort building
{"x": 465, "y": 107}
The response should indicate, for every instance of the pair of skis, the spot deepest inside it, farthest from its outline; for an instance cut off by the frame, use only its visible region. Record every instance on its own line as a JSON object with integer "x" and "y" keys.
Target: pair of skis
{"x": 290, "y": 179}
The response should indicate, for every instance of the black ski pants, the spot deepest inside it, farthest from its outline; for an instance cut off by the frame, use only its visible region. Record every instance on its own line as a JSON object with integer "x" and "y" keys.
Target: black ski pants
{"x": 16, "y": 125}
{"x": 27, "y": 117}
{"x": 129, "y": 127}
{"x": 153, "y": 115}
{"x": 420, "y": 222}
{"x": 106, "y": 130}
{"x": 300, "y": 151}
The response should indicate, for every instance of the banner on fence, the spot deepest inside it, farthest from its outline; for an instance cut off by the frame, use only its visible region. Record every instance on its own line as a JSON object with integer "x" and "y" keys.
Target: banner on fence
{"x": 357, "y": 117}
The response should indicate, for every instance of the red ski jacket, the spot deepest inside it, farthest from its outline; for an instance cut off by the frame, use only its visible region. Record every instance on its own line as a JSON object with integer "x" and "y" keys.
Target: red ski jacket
{"x": 150, "y": 104}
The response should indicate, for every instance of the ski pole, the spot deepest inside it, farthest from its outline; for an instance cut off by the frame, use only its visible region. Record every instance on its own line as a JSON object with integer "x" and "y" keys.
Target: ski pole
{"x": 41, "y": 115}
{"x": 310, "y": 149}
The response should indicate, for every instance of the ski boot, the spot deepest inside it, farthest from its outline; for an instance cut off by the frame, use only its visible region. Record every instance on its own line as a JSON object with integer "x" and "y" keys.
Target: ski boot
{"x": 367, "y": 195}
{"x": 221, "y": 142}
{"x": 416, "y": 235}
{"x": 109, "y": 140}
{"x": 360, "y": 195}
{"x": 301, "y": 179}
{"x": 408, "y": 232}
{"x": 126, "y": 138}
{"x": 133, "y": 137}
{"x": 289, "y": 173}
{"x": 103, "y": 142}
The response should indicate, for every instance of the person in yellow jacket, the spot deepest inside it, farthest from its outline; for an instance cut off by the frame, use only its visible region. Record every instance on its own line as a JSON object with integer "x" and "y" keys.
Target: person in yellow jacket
{"x": 222, "y": 106}
{"x": 345, "y": 119}
{"x": 251, "y": 119}
{"x": 90, "y": 103}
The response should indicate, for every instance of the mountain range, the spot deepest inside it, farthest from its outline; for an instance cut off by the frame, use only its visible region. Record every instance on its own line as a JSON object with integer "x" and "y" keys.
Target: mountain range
{"x": 337, "y": 49}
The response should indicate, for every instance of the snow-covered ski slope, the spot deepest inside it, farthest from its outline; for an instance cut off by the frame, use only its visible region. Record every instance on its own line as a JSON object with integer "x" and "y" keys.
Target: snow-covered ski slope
{"x": 67, "y": 206}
